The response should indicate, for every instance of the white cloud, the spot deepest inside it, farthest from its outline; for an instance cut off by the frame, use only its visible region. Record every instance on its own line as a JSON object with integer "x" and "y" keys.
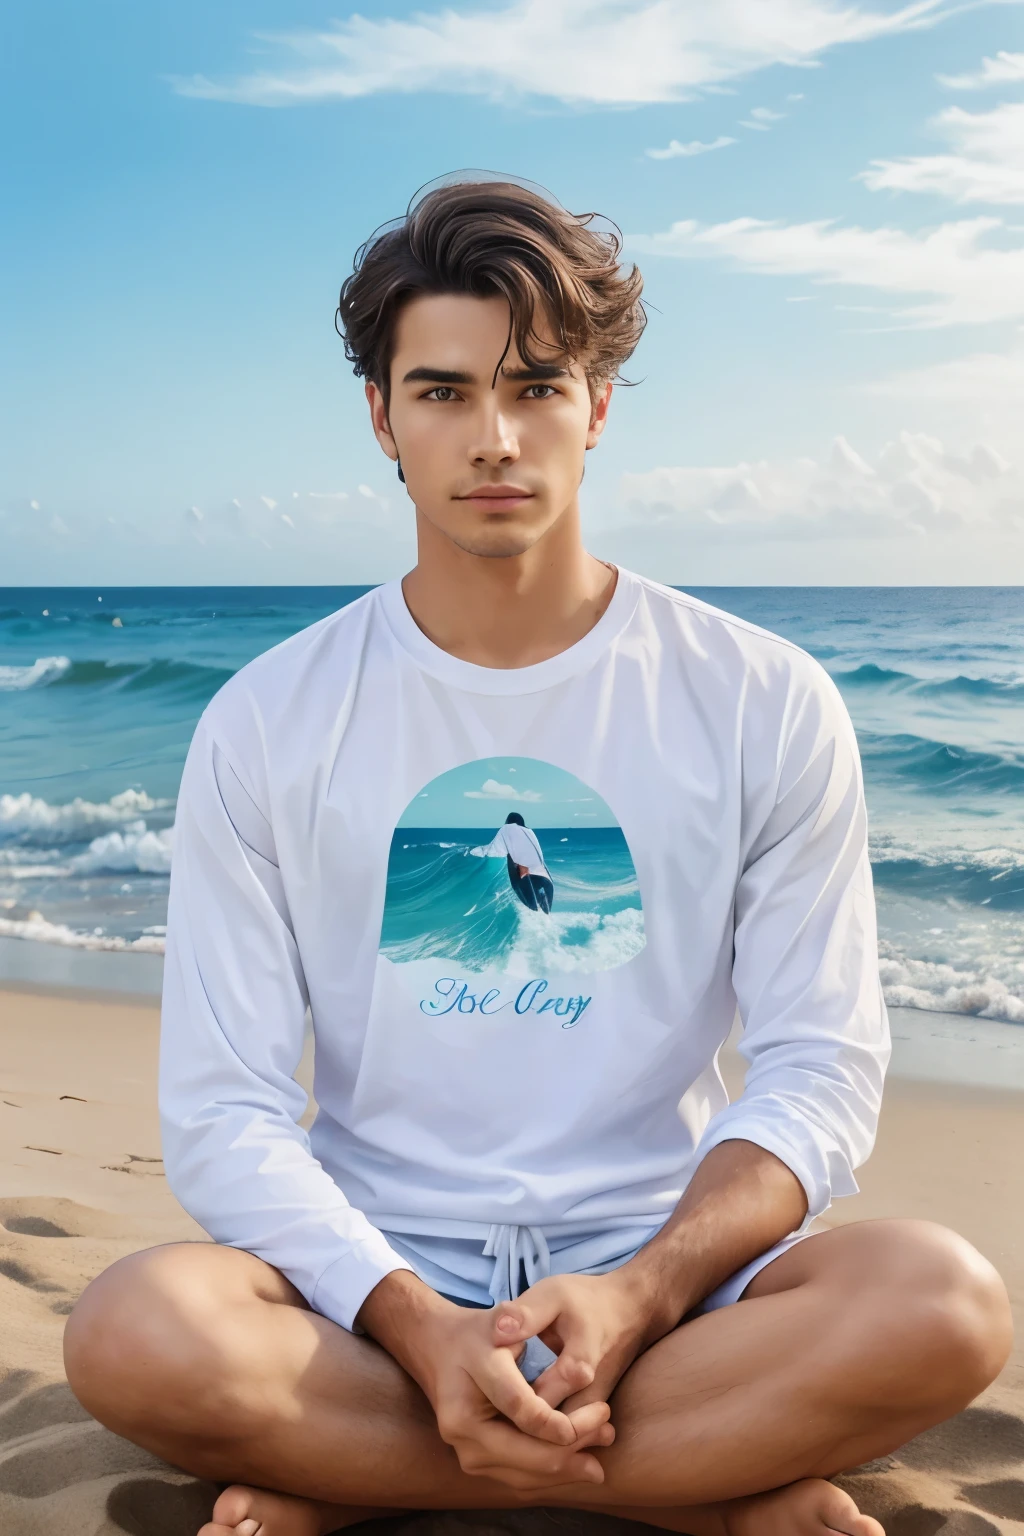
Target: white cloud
{"x": 966, "y": 279}
{"x": 1005, "y": 68}
{"x": 492, "y": 790}
{"x": 986, "y": 166}
{"x": 766, "y": 115}
{"x": 916, "y": 488}
{"x": 981, "y": 379}
{"x": 675, "y": 151}
{"x": 578, "y": 51}
{"x": 980, "y": 395}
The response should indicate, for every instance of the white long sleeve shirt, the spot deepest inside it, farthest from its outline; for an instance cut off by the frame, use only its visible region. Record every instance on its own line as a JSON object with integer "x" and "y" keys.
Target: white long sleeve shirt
{"x": 520, "y": 844}
{"x": 728, "y": 761}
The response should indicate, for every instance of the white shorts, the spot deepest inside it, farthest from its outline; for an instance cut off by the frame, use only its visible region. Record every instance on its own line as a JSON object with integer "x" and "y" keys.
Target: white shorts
{"x": 477, "y": 1272}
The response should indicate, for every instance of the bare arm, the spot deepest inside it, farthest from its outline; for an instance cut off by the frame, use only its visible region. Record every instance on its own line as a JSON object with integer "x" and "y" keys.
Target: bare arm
{"x": 739, "y": 1203}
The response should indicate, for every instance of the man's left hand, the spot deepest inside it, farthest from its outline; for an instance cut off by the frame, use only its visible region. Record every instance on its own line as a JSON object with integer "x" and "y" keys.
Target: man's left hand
{"x": 596, "y": 1324}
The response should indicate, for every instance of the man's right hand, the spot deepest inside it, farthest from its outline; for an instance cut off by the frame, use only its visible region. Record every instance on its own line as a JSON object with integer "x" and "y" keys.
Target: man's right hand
{"x": 486, "y": 1410}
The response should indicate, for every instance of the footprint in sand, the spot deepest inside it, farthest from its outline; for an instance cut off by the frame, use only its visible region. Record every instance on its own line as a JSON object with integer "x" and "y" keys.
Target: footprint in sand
{"x": 977, "y": 1440}
{"x": 33, "y": 1226}
{"x": 151, "y": 1506}
{"x": 23, "y": 1276}
{"x": 1004, "y": 1498}
{"x": 51, "y": 1449}
{"x": 55, "y": 1216}
{"x": 910, "y": 1491}
{"x": 917, "y": 1521}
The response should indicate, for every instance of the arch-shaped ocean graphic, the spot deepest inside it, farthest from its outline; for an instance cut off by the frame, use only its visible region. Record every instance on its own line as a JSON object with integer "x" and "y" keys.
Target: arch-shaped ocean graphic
{"x": 460, "y": 862}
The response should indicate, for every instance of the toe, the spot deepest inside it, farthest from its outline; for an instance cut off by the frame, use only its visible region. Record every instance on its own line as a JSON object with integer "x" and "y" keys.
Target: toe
{"x": 840, "y": 1514}
{"x": 234, "y": 1506}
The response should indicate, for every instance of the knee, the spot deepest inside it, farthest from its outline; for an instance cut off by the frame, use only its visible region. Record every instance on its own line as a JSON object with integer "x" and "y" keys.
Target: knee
{"x": 950, "y": 1317}
{"x": 150, "y": 1349}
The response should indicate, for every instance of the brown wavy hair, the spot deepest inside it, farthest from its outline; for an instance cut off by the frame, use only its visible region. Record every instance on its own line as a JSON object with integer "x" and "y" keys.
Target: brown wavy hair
{"x": 488, "y": 238}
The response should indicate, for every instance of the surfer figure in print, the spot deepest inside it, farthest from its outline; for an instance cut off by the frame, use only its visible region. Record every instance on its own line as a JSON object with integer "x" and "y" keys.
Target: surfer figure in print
{"x": 527, "y": 873}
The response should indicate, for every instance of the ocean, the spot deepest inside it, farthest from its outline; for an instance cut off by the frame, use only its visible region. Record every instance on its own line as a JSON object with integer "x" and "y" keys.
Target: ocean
{"x": 100, "y": 690}
{"x": 443, "y": 903}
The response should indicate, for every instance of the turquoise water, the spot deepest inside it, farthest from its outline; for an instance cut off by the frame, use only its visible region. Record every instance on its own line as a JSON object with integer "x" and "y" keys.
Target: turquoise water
{"x": 443, "y": 903}
{"x": 95, "y": 720}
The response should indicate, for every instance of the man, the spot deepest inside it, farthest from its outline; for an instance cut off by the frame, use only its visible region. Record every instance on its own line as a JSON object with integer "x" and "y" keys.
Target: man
{"x": 512, "y": 1263}
{"x": 528, "y": 875}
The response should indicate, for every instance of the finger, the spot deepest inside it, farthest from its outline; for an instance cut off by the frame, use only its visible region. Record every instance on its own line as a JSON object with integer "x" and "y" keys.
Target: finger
{"x": 597, "y": 1392}
{"x": 526, "y": 1317}
{"x": 504, "y": 1385}
{"x": 589, "y": 1421}
{"x": 569, "y": 1374}
{"x": 496, "y": 1449}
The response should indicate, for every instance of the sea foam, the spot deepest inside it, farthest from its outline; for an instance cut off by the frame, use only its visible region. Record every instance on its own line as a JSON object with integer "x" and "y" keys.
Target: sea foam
{"x": 35, "y": 926}
{"x": 78, "y": 819}
{"x": 45, "y": 669}
{"x": 136, "y": 849}
{"x": 563, "y": 942}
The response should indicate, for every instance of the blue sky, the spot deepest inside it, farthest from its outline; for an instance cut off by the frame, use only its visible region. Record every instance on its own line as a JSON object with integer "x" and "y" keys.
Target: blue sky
{"x": 481, "y": 794}
{"x": 833, "y": 374}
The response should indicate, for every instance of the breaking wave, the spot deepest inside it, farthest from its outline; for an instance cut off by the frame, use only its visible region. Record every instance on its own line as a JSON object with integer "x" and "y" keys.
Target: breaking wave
{"x": 45, "y": 669}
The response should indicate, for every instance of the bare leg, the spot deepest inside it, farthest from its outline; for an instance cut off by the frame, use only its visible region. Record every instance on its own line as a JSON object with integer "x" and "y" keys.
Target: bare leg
{"x": 847, "y": 1346}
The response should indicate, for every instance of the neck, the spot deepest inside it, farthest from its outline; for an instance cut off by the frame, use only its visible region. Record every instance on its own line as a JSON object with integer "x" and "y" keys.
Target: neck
{"x": 512, "y": 611}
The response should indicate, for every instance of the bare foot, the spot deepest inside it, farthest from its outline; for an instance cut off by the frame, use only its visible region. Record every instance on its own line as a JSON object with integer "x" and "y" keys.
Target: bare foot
{"x": 242, "y": 1511}
{"x": 808, "y": 1508}
{"x": 812, "y": 1507}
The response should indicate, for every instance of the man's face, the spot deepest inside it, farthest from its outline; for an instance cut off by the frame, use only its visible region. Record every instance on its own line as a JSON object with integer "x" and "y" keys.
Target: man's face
{"x": 492, "y": 463}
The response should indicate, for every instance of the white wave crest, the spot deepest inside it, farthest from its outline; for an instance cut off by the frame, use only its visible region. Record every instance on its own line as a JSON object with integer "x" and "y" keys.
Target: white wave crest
{"x": 36, "y": 927}
{"x": 136, "y": 849}
{"x": 575, "y": 941}
{"x": 945, "y": 988}
{"x": 45, "y": 669}
{"x": 886, "y": 849}
{"x": 76, "y": 820}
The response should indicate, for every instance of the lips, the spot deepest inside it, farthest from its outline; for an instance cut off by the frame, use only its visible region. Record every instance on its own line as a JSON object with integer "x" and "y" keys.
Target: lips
{"x": 505, "y": 493}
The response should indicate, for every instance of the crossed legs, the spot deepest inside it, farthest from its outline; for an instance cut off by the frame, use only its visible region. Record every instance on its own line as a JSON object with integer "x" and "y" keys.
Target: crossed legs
{"x": 842, "y": 1349}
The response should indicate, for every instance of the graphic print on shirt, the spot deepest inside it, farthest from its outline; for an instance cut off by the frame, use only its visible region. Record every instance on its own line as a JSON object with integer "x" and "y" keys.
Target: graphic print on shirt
{"x": 513, "y": 871}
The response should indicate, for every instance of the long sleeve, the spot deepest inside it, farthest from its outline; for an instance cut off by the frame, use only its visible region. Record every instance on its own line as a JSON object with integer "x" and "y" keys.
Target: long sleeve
{"x": 496, "y": 849}
{"x": 234, "y": 1006}
{"x": 805, "y": 968}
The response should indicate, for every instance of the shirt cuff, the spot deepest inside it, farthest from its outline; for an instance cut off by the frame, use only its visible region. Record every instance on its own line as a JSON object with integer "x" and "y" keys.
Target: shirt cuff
{"x": 824, "y": 1175}
{"x": 345, "y": 1284}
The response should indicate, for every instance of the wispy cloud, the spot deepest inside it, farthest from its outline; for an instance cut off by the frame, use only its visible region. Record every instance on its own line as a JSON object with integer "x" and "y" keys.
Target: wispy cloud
{"x": 915, "y": 487}
{"x": 986, "y": 382}
{"x": 761, "y": 119}
{"x": 573, "y": 51}
{"x": 986, "y": 164}
{"x": 1004, "y": 69}
{"x": 968, "y": 280}
{"x": 676, "y": 151}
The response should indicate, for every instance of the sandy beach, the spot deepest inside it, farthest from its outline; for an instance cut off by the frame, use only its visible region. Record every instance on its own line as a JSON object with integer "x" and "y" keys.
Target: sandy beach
{"x": 81, "y": 1183}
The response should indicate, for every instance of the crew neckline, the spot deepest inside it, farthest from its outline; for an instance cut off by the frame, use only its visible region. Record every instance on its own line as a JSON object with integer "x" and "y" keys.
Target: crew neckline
{"x": 472, "y": 678}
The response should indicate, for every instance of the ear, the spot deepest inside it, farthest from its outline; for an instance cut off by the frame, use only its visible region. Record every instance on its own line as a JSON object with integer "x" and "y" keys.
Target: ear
{"x": 599, "y": 415}
{"x": 379, "y": 420}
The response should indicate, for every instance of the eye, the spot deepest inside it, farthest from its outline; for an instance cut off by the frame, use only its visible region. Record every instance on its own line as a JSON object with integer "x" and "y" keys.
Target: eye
{"x": 547, "y": 390}
{"x": 441, "y": 392}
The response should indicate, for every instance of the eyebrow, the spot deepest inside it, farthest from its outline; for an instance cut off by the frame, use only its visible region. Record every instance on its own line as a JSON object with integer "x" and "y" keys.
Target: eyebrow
{"x": 534, "y": 374}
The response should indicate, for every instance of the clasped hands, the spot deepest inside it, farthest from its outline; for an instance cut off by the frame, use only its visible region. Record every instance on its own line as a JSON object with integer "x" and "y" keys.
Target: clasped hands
{"x": 532, "y": 1438}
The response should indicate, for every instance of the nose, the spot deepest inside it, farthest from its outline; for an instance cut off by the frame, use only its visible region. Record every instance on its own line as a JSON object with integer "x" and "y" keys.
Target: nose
{"x": 495, "y": 442}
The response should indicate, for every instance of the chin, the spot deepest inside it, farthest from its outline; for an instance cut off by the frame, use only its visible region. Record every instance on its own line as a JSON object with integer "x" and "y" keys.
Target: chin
{"x": 496, "y": 543}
